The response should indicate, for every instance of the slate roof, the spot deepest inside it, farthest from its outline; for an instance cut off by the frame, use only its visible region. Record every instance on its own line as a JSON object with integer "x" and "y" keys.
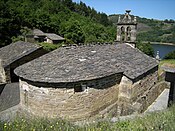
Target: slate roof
{"x": 168, "y": 69}
{"x": 53, "y": 36}
{"x": 15, "y": 51}
{"x": 86, "y": 63}
{"x": 38, "y": 32}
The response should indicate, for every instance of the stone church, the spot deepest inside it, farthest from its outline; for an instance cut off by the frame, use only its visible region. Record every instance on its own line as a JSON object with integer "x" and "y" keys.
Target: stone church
{"x": 92, "y": 81}
{"x": 78, "y": 83}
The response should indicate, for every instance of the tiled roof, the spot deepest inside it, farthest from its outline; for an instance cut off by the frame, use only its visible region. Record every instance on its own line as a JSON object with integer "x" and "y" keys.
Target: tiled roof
{"x": 15, "y": 51}
{"x": 53, "y": 36}
{"x": 86, "y": 63}
{"x": 38, "y": 32}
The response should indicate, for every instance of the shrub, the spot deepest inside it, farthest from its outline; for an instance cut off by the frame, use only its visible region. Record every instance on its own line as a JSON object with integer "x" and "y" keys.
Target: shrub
{"x": 170, "y": 55}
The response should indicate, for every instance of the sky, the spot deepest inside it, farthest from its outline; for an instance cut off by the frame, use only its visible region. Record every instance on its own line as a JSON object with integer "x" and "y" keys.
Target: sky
{"x": 153, "y": 9}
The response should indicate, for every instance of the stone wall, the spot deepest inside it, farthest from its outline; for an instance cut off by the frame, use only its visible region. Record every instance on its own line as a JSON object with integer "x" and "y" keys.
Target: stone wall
{"x": 133, "y": 32}
{"x": 2, "y": 74}
{"x": 66, "y": 103}
{"x": 7, "y": 74}
{"x": 137, "y": 96}
{"x": 9, "y": 70}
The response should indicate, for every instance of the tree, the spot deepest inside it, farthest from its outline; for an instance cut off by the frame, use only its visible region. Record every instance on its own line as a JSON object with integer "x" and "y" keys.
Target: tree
{"x": 24, "y": 31}
{"x": 145, "y": 48}
{"x": 104, "y": 19}
{"x": 72, "y": 30}
{"x": 170, "y": 55}
{"x": 76, "y": 21}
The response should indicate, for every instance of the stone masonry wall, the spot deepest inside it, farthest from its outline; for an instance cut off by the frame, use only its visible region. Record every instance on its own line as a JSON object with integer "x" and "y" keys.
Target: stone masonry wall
{"x": 133, "y": 32}
{"x": 2, "y": 74}
{"x": 137, "y": 96}
{"x": 65, "y": 102}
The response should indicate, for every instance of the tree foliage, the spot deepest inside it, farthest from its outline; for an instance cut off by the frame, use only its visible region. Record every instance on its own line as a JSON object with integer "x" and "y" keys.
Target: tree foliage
{"x": 156, "y": 30}
{"x": 158, "y": 35}
{"x": 146, "y": 48}
{"x": 170, "y": 55}
{"x": 75, "y": 21}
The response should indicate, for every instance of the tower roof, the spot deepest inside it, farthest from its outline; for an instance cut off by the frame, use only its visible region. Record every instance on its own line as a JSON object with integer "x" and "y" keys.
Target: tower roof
{"x": 127, "y": 19}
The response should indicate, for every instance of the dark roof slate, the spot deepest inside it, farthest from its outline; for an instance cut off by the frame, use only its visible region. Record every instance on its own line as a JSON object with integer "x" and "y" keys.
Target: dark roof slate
{"x": 86, "y": 63}
{"x": 38, "y": 32}
{"x": 53, "y": 36}
{"x": 15, "y": 51}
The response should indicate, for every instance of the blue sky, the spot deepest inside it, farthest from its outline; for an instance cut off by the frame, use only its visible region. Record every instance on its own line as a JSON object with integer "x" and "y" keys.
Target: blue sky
{"x": 156, "y": 9}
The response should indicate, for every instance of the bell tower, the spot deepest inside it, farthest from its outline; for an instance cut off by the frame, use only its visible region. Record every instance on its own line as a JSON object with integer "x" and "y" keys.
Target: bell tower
{"x": 126, "y": 29}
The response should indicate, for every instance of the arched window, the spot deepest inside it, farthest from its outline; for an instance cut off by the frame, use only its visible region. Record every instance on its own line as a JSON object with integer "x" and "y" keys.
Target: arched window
{"x": 122, "y": 33}
{"x": 128, "y": 33}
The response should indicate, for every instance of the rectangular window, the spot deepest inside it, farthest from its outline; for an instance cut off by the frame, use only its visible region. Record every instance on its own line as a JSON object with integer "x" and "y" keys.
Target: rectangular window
{"x": 77, "y": 88}
{"x": 80, "y": 87}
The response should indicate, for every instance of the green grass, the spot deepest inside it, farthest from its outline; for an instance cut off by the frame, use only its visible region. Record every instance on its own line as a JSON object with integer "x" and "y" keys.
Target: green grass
{"x": 49, "y": 46}
{"x": 160, "y": 121}
{"x": 168, "y": 62}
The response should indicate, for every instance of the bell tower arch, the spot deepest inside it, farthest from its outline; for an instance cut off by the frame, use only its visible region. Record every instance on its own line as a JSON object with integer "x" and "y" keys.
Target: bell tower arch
{"x": 126, "y": 29}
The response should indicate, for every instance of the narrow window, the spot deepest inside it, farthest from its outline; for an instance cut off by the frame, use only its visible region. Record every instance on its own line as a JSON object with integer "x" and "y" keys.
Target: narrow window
{"x": 80, "y": 87}
{"x": 77, "y": 88}
{"x": 122, "y": 33}
{"x": 128, "y": 33}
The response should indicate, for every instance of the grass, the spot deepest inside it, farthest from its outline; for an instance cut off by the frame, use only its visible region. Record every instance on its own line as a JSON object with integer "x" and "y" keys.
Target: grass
{"x": 160, "y": 121}
{"x": 168, "y": 62}
{"x": 49, "y": 46}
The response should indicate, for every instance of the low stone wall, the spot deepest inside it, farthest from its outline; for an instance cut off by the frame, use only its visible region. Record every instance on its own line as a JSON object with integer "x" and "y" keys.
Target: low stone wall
{"x": 137, "y": 96}
{"x": 68, "y": 104}
{"x": 151, "y": 95}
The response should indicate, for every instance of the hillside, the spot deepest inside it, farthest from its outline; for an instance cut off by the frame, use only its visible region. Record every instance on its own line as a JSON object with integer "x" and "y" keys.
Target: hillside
{"x": 76, "y": 22}
{"x": 152, "y": 30}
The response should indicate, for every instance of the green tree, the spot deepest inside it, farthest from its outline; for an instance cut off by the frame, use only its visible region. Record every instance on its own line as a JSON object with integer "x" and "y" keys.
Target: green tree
{"x": 72, "y": 30}
{"x": 24, "y": 31}
{"x": 77, "y": 22}
{"x": 170, "y": 55}
{"x": 146, "y": 48}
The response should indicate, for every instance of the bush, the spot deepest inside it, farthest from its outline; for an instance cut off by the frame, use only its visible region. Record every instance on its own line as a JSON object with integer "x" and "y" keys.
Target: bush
{"x": 145, "y": 48}
{"x": 49, "y": 46}
{"x": 170, "y": 55}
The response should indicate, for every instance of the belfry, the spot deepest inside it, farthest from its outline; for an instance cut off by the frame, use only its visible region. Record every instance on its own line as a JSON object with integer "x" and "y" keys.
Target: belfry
{"x": 126, "y": 29}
